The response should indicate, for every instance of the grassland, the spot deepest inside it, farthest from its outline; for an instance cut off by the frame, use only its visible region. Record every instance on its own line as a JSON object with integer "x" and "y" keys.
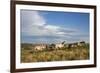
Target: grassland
{"x": 63, "y": 54}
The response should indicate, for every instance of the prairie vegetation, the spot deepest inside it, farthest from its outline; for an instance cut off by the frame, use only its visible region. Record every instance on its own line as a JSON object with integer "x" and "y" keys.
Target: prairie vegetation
{"x": 29, "y": 54}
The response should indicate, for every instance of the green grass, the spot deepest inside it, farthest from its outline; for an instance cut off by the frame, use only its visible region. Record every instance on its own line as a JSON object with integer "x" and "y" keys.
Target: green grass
{"x": 63, "y": 54}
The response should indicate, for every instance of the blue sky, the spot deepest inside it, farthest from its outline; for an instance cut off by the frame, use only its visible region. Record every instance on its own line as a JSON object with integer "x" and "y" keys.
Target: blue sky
{"x": 54, "y": 27}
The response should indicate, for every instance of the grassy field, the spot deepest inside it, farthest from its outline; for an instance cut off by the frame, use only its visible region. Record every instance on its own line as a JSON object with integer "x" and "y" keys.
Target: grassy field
{"x": 77, "y": 53}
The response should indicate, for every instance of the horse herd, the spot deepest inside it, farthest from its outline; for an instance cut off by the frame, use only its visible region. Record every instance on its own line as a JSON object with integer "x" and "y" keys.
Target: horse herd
{"x": 58, "y": 45}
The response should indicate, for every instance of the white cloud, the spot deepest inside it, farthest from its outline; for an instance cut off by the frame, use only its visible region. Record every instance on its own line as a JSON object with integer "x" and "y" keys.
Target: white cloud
{"x": 33, "y": 24}
{"x": 52, "y": 27}
{"x": 61, "y": 33}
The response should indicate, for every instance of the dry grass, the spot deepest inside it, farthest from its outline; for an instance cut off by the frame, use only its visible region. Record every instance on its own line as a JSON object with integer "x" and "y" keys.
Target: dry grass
{"x": 78, "y": 53}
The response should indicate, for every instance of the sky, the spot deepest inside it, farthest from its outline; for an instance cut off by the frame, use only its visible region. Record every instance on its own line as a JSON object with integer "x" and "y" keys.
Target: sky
{"x": 53, "y": 27}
